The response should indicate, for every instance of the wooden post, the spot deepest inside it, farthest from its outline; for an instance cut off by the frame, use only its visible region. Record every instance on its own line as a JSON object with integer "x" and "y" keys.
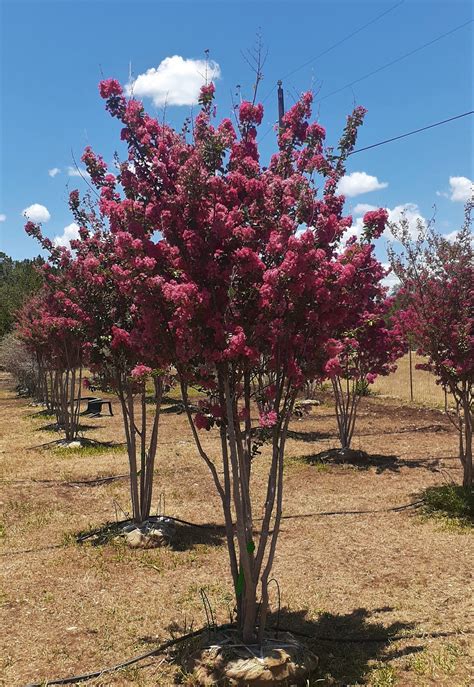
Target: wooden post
{"x": 411, "y": 373}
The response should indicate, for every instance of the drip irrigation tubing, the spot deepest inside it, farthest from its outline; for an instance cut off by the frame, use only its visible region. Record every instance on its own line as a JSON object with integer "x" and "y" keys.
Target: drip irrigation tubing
{"x": 82, "y": 538}
{"x": 191, "y": 635}
{"x": 68, "y": 483}
{"x": 119, "y": 666}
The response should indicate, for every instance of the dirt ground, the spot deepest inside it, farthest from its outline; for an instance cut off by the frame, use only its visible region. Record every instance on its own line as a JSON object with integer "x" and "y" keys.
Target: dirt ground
{"x": 384, "y": 594}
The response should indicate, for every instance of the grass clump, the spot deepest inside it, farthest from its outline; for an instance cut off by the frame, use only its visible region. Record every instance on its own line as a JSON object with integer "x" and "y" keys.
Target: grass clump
{"x": 454, "y": 504}
{"x": 88, "y": 448}
{"x": 431, "y": 663}
{"x": 383, "y": 676}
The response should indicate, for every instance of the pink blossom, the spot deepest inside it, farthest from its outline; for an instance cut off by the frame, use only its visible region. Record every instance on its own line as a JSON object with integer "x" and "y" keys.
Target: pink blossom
{"x": 140, "y": 371}
{"x": 375, "y": 222}
{"x": 268, "y": 419}
{"x": 333, "y": 367}
{"x": 110, "y": 87}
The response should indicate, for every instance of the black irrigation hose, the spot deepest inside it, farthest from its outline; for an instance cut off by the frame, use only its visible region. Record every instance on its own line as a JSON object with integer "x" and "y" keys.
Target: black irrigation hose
{"x": 38, "y": 550}
{"x": 173, "y": 642}
{"x": 119, "y": 666}
{"x": 376, "y": 639}
{"x": 70, "y": 483}
{"x": 393, "y": 509}
{"x": 112, "y": 526}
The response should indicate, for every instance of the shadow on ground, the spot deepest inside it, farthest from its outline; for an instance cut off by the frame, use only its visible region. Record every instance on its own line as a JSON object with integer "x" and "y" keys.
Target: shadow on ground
{"x": 54, "y": 427}
{"x": 347, "y": 644}
{"x": 309, "y": 436}
{"x": 364, "y": 461}
{"x": 185, "y": 538}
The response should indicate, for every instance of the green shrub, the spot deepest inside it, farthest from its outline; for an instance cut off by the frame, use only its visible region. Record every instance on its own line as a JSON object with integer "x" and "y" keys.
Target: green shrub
{"x": 450, "y": 501}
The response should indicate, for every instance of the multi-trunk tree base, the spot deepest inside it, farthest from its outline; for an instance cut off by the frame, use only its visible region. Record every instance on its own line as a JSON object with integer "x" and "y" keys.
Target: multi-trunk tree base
{"x": 222, "y": 659}
{"x": 151, "y": 534}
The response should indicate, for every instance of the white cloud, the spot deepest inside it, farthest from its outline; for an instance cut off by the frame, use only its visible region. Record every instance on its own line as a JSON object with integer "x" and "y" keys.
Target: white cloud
{"x": 452, "y": 236}
{"x": 359, "y": 182}
{"x": 77, "y": 172}
{"x": 411, "y": 212}
{"x": 461, "y": 189}
{"x": 53, "y": 172}
{"x": 176, "y": 81}
{"x": 70, "y": 233}
{"x": 2, "y": 217}
{"x": 391, "y": 279}
{"x": 36, "y": 213}
{"x": 362, "y": 208}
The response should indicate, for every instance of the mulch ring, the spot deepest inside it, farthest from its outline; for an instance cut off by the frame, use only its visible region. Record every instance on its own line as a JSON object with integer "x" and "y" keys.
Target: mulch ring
{"x": 222, "y": 659}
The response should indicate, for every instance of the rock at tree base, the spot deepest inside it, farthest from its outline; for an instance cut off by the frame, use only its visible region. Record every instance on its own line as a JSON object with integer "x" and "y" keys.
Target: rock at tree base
{"x": 226, "y": 661}
{"x": 151, "y": 534}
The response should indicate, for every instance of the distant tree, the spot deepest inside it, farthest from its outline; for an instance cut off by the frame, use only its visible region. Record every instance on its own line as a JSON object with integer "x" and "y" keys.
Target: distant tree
{"x": 55, "y": 329}
{"x": 16, "y": 359}
{"x": 363, "y": 353}
{"x": 437, "y": 278}
{"x": 103, "y": 276}
{"x": 19, "y": 279}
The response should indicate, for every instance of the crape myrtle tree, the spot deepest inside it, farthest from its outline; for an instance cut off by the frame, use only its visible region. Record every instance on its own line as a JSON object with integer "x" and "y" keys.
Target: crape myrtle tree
{"x": 55, "y": 328}
{"x": 359, "y": 356}
{"x": 33, "y": 340}
{"x": 246, "y": 286}
{"x": 105, "y": 268}
{"x": 437, "y": 292}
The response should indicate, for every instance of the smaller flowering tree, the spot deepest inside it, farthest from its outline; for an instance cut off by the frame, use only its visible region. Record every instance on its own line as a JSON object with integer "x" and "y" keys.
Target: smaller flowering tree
{"x": 54, "y": 328}
{"x": 366, "y": 351}
{"x": 33, "y": 340}
{"x": 103, "y": 275}
{"x": 437, "y": 296}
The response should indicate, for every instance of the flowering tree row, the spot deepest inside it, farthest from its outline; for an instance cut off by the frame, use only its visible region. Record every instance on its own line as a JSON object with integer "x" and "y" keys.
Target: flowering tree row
{"x": 437, "y": 296}
{"x": 236, "y": 276}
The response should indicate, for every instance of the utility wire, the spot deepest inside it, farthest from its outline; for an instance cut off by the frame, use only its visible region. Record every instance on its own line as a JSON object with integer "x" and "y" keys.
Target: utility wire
{"x": 396, "y": 60}
{"x": 346, "y": 38}
{"x": 410, "y": 133}
{"x": 397, "y": 138}
{"x": 336, "y": 45}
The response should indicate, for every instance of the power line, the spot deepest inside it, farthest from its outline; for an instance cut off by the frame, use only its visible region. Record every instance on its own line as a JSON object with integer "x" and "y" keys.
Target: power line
{"x": 346, "y": 38}
{"x": 397, "y": 138}
{"x": 396, "y": 60}
{"x": 337, "y": 44}
{"x": 410, "y": 133}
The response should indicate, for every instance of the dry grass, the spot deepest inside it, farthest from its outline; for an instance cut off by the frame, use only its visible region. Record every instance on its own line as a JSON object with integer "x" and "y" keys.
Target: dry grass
{"x": 425, "y": 389}
{"x": 346, "y": 565}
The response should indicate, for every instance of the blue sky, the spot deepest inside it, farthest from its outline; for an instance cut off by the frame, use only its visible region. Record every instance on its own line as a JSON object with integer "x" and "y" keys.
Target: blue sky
{"x": 53, "y": 55}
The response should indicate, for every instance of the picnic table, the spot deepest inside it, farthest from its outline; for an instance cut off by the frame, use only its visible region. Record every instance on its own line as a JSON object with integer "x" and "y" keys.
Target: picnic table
{"x": 94, "y": 406}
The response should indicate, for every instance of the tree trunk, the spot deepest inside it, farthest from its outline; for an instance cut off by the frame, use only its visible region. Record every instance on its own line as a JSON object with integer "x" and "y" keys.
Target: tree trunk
{"x": 141, "y": 481}
{"x": 467, "y": 462}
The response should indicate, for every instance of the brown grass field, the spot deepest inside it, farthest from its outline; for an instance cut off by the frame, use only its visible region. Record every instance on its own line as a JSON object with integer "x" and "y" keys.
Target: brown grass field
{"x": 425, "y": 389}
{"x": 383, "y": 594}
